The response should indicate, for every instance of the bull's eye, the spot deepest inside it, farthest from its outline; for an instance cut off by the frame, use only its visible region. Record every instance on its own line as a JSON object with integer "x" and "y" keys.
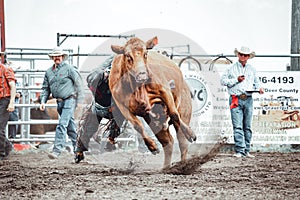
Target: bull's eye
{"x": 145, "y": 55}
{"x": 129, "y": 58}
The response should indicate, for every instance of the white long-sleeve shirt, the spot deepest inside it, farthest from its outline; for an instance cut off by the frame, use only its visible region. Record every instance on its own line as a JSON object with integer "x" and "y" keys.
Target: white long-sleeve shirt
{"x": 230, "y": 79}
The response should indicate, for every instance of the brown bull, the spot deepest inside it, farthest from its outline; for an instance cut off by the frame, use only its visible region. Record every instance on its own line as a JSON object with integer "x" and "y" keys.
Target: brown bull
{"x": 148, "y": 84}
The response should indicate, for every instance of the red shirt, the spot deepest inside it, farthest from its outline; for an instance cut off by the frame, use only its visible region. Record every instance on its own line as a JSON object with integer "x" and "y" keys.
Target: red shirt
{"x": 6, "y": 75}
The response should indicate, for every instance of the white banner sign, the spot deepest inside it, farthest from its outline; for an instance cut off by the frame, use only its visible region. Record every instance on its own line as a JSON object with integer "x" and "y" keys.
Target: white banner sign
{"x": 276, "y": 117}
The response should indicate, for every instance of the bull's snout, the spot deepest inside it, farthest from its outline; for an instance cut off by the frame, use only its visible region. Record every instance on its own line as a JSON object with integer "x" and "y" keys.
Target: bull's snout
{"x": 141, "y": 77}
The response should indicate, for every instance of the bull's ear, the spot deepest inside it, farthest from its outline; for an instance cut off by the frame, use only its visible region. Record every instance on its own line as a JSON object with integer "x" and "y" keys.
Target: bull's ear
{"x": 117, "y": 49}
{"x": 152, "y": 42}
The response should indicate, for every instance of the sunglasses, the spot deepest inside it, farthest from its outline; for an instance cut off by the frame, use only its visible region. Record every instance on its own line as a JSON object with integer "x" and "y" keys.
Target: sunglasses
{"x": 244, "y": 55}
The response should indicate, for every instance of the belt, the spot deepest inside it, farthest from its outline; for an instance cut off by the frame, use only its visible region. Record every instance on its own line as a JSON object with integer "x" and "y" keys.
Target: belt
{"x": 243, "y": 96}
{"x": 7, "y": 97}
{"x": 61, "y": 99}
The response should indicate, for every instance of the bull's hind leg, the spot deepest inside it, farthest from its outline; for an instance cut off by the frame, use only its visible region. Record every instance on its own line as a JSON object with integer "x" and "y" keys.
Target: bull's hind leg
{"x": 175, "y": 117}
{"x": 167, "y": 142}
{"x": 183, "y": 146}
{"x": 183, "y": 128}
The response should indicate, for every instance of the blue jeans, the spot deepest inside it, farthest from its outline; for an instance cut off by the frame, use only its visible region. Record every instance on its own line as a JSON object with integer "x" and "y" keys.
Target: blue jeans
{"x": 66, "y": 125}
{"x": 241, "y": 118}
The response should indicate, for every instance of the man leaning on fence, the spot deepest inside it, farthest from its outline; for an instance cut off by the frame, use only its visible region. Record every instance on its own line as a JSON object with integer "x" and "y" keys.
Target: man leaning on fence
{"x": 7, "y": 99}
{"x": 64, "y": 82}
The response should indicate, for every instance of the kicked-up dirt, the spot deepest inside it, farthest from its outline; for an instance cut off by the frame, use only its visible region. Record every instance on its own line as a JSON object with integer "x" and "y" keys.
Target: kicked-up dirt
{"x": 128, "y": 174}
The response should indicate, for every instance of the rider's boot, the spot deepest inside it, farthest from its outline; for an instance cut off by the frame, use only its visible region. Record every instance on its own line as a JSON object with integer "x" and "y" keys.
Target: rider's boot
{"x": 79, "y": 156}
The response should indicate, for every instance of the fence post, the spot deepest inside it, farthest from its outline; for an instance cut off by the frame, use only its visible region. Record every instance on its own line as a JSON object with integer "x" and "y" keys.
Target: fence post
{"x": 295, "y": 35}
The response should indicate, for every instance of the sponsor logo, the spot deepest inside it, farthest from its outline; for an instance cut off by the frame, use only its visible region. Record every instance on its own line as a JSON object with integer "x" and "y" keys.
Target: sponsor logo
{"x": 199, "y": 92}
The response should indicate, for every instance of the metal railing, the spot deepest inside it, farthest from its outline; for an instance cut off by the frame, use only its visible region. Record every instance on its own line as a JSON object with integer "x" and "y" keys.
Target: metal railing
{"x": 29, "y": 78}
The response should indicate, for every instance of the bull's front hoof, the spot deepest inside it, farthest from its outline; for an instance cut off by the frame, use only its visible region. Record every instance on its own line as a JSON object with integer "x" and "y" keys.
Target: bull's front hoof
{"x": 151, "y": 145}
{"x": 155, "y": 152}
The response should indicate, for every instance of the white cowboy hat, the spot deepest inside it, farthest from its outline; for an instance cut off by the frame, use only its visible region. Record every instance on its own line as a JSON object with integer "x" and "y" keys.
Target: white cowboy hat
{"x": 244, "y": 50}
{"x": 58, "y": 51}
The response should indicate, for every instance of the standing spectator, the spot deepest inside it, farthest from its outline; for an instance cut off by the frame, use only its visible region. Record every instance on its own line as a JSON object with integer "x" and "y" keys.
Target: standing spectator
{"x": 7, "y": 100}
{"x": 241, "y": 81}
{"x": 14, "y": 116}
{"x": 64, "y": 82}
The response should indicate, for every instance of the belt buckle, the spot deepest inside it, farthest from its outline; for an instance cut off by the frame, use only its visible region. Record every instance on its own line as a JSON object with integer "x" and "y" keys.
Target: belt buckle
{"x": 243, "y": 96}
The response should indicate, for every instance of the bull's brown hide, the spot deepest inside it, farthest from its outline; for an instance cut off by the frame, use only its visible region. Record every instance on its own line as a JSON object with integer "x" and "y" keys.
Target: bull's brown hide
{"x": 140, "y": 84}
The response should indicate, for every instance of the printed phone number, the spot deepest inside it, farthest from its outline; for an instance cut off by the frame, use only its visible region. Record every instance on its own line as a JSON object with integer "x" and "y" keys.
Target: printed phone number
{"x": 283, "y": 79}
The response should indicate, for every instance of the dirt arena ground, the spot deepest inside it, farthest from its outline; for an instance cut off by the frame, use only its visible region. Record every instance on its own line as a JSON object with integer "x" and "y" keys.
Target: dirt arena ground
{"x": 31, "y": 174}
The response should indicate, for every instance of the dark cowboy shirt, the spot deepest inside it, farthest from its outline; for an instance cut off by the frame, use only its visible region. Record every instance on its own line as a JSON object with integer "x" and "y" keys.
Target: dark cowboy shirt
{"x": 102, "y": 93}
{"x": 62, "y": 82}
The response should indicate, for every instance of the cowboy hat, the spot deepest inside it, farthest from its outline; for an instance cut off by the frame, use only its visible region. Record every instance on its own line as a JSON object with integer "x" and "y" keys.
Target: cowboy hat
{"x": 244, "y": 50}
{"x": 58, "y": 51}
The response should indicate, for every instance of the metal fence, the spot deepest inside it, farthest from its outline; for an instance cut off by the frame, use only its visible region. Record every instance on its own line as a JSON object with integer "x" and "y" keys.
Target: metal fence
{"x": 30, "y": 88}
